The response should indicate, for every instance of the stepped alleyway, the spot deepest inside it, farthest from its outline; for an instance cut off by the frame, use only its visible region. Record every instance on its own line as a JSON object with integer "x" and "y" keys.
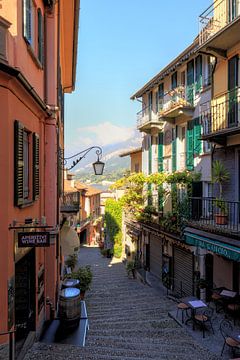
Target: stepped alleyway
{"x": 128, "y": 321}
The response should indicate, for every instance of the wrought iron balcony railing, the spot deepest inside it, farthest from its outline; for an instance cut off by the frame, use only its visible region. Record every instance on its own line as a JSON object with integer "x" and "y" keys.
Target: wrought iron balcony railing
{"x": 223, "y": 113}
{"x": 216, "y": 17}
{"x": 146, "y": 116}
{"x": 215, "y": 215}
{"x": 70, "y": 202}
{"x": 180, "y": 97}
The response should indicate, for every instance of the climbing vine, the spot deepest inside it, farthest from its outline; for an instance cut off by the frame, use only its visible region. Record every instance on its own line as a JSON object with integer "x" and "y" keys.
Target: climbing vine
{"x": 138, "y": 188}
{"x": 113, "y": 223}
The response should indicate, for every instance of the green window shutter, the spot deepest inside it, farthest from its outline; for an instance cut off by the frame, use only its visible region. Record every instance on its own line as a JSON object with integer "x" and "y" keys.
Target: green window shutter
{"x": 198, "y": 73}
{"x": 189, "y": 157}
{"x": 190, "y": 81}
{"x": 40, "y": 37}
{"x": 174, "y": 149}
{"x": 197, "y": 143}
{"x": 18, "y": 164}
{"x": 150, "y": 157}
{"x": 36, "y": 175}
{"x": 160, "y": 152}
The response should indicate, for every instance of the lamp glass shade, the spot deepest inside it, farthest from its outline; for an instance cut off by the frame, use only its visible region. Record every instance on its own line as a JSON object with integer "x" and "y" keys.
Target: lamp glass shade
{"x": 98, "y": 167}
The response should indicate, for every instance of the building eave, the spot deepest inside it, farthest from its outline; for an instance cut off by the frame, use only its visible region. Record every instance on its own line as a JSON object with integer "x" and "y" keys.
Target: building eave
{"x": 185, "y": 55}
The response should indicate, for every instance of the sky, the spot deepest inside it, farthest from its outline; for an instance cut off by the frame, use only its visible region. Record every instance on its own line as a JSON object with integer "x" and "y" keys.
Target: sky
{"x": 122, "y": 44}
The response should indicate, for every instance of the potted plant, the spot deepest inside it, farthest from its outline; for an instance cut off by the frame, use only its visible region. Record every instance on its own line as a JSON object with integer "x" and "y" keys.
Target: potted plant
{"x": 71, "y": 261}
{"x": 84, "y": 275}
{"x": 220, "y": 175}
{"x": 130, "y": 268}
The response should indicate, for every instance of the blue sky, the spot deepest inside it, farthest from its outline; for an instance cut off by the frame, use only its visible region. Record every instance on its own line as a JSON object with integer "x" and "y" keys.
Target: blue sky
{"x": 122, "y": 44}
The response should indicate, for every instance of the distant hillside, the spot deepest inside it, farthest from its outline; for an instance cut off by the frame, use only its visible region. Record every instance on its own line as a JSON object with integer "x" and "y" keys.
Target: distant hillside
{"x": 115, "y": 166}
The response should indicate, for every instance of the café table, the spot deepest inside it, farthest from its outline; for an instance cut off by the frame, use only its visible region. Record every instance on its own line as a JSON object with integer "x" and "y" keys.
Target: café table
{"x": 194, "y": 304}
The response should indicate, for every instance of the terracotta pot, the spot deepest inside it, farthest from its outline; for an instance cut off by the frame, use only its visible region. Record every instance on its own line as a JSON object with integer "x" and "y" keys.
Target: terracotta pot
{"x": 221, "y": 219}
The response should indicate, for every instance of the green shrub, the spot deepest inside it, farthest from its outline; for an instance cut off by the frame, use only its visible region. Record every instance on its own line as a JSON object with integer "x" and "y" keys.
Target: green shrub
{"x": 84, "y": 275}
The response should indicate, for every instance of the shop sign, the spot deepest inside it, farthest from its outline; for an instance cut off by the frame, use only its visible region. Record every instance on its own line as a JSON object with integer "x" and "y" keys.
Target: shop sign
{"x": 225, "y": 250}
{"x": 33, "y": 239}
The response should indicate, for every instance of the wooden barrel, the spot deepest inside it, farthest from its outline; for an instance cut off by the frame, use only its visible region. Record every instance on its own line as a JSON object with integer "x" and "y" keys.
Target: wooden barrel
{"x": 70, "y": 305}
{"x": 70, "y": 283}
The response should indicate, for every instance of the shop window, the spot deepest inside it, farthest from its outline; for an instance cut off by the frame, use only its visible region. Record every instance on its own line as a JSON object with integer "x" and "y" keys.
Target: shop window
{"x": 24, "y": 168}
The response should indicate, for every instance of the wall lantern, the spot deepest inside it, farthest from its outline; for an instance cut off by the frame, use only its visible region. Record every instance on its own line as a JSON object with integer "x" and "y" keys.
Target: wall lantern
{"x": 98, "y": 165}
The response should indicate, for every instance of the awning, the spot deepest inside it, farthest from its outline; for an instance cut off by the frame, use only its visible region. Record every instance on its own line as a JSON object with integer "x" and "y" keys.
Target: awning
{"x": 69, "y": 240}
{"x": 229, "y": 251}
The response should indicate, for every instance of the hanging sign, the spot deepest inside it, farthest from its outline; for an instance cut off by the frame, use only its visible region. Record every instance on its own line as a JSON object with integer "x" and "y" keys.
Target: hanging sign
{"x": 33, "y": 239}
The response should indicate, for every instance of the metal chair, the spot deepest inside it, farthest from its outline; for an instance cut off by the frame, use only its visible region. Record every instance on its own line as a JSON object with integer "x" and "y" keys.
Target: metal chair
{"x": 226, "y": 330}
{"x": 203, "y": 318}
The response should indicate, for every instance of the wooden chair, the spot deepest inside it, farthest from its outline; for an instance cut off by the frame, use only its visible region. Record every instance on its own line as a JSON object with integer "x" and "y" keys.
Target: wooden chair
{"x": 234, "y": 310}
{"x": 226, "y": 330}
{"x": 204, "y": 318}
{"x": 218, "y": 302}
{"x": 183, "y": 308}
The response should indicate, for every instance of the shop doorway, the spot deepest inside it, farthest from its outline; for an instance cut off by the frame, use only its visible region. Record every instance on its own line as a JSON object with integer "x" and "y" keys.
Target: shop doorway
{"x": 209, "y": 275}
{"x": 83, "y": 237}
{"x": 25, "y": 301}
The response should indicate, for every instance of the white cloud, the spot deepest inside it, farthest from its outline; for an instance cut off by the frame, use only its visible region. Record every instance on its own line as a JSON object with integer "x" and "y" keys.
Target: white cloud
{"x": 104, "y": 134}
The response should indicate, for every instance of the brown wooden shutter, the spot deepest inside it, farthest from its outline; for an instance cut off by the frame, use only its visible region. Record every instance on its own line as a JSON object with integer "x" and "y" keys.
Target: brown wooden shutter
{"x": 18, "y": 163}
{"x": 36, "y": 179}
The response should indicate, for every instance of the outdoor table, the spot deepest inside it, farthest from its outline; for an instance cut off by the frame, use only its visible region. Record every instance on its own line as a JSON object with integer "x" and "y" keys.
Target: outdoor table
{"x": 194, "y": 303}
{"x": 228, "y": 294}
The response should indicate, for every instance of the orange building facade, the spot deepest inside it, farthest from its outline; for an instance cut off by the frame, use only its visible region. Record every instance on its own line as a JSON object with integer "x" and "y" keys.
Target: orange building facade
{"x": 86, "y": 217}
{"x": 37, "y": 66}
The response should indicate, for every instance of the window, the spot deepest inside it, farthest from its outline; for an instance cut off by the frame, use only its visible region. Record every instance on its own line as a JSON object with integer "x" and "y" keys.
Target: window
{"x": 174, "y": 80}
{"x": 198, "y": 74}
{"x": 28, "y": 21}
{"x": 24, "y": 168}
{"x": 40, "y": 37}
{"x": 26, "y": 164}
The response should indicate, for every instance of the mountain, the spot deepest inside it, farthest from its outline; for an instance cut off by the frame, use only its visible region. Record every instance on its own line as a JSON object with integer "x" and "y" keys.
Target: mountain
{"x": 115, "y": 166}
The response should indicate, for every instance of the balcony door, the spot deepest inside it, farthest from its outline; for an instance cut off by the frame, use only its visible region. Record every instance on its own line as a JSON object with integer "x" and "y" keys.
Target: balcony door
{"x": 233, "y": 91}
{"x": 150, "y": 105}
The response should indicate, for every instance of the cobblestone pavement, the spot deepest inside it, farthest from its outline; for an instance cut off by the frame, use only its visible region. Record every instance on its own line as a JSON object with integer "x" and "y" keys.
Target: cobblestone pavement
{"x": 128, "y": 321}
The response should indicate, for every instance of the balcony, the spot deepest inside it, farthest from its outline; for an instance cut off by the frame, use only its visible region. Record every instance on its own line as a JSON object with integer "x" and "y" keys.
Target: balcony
{"x": 214, "y": 215}
{"x": 219, "y": 26}
{"x": 147, "y": 119}
{"x": 178, "y": 102}
{"x": 70, "y": 202}
{"x": 221, "y": 117}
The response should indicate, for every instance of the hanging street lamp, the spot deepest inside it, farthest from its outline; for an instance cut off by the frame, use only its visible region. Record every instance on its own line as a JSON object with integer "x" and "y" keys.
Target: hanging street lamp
{"x": 98, "y": 165}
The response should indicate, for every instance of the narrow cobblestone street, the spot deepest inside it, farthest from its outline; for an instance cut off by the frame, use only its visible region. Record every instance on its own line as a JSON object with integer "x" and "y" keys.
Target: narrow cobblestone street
{"x": 128, "y": 320}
